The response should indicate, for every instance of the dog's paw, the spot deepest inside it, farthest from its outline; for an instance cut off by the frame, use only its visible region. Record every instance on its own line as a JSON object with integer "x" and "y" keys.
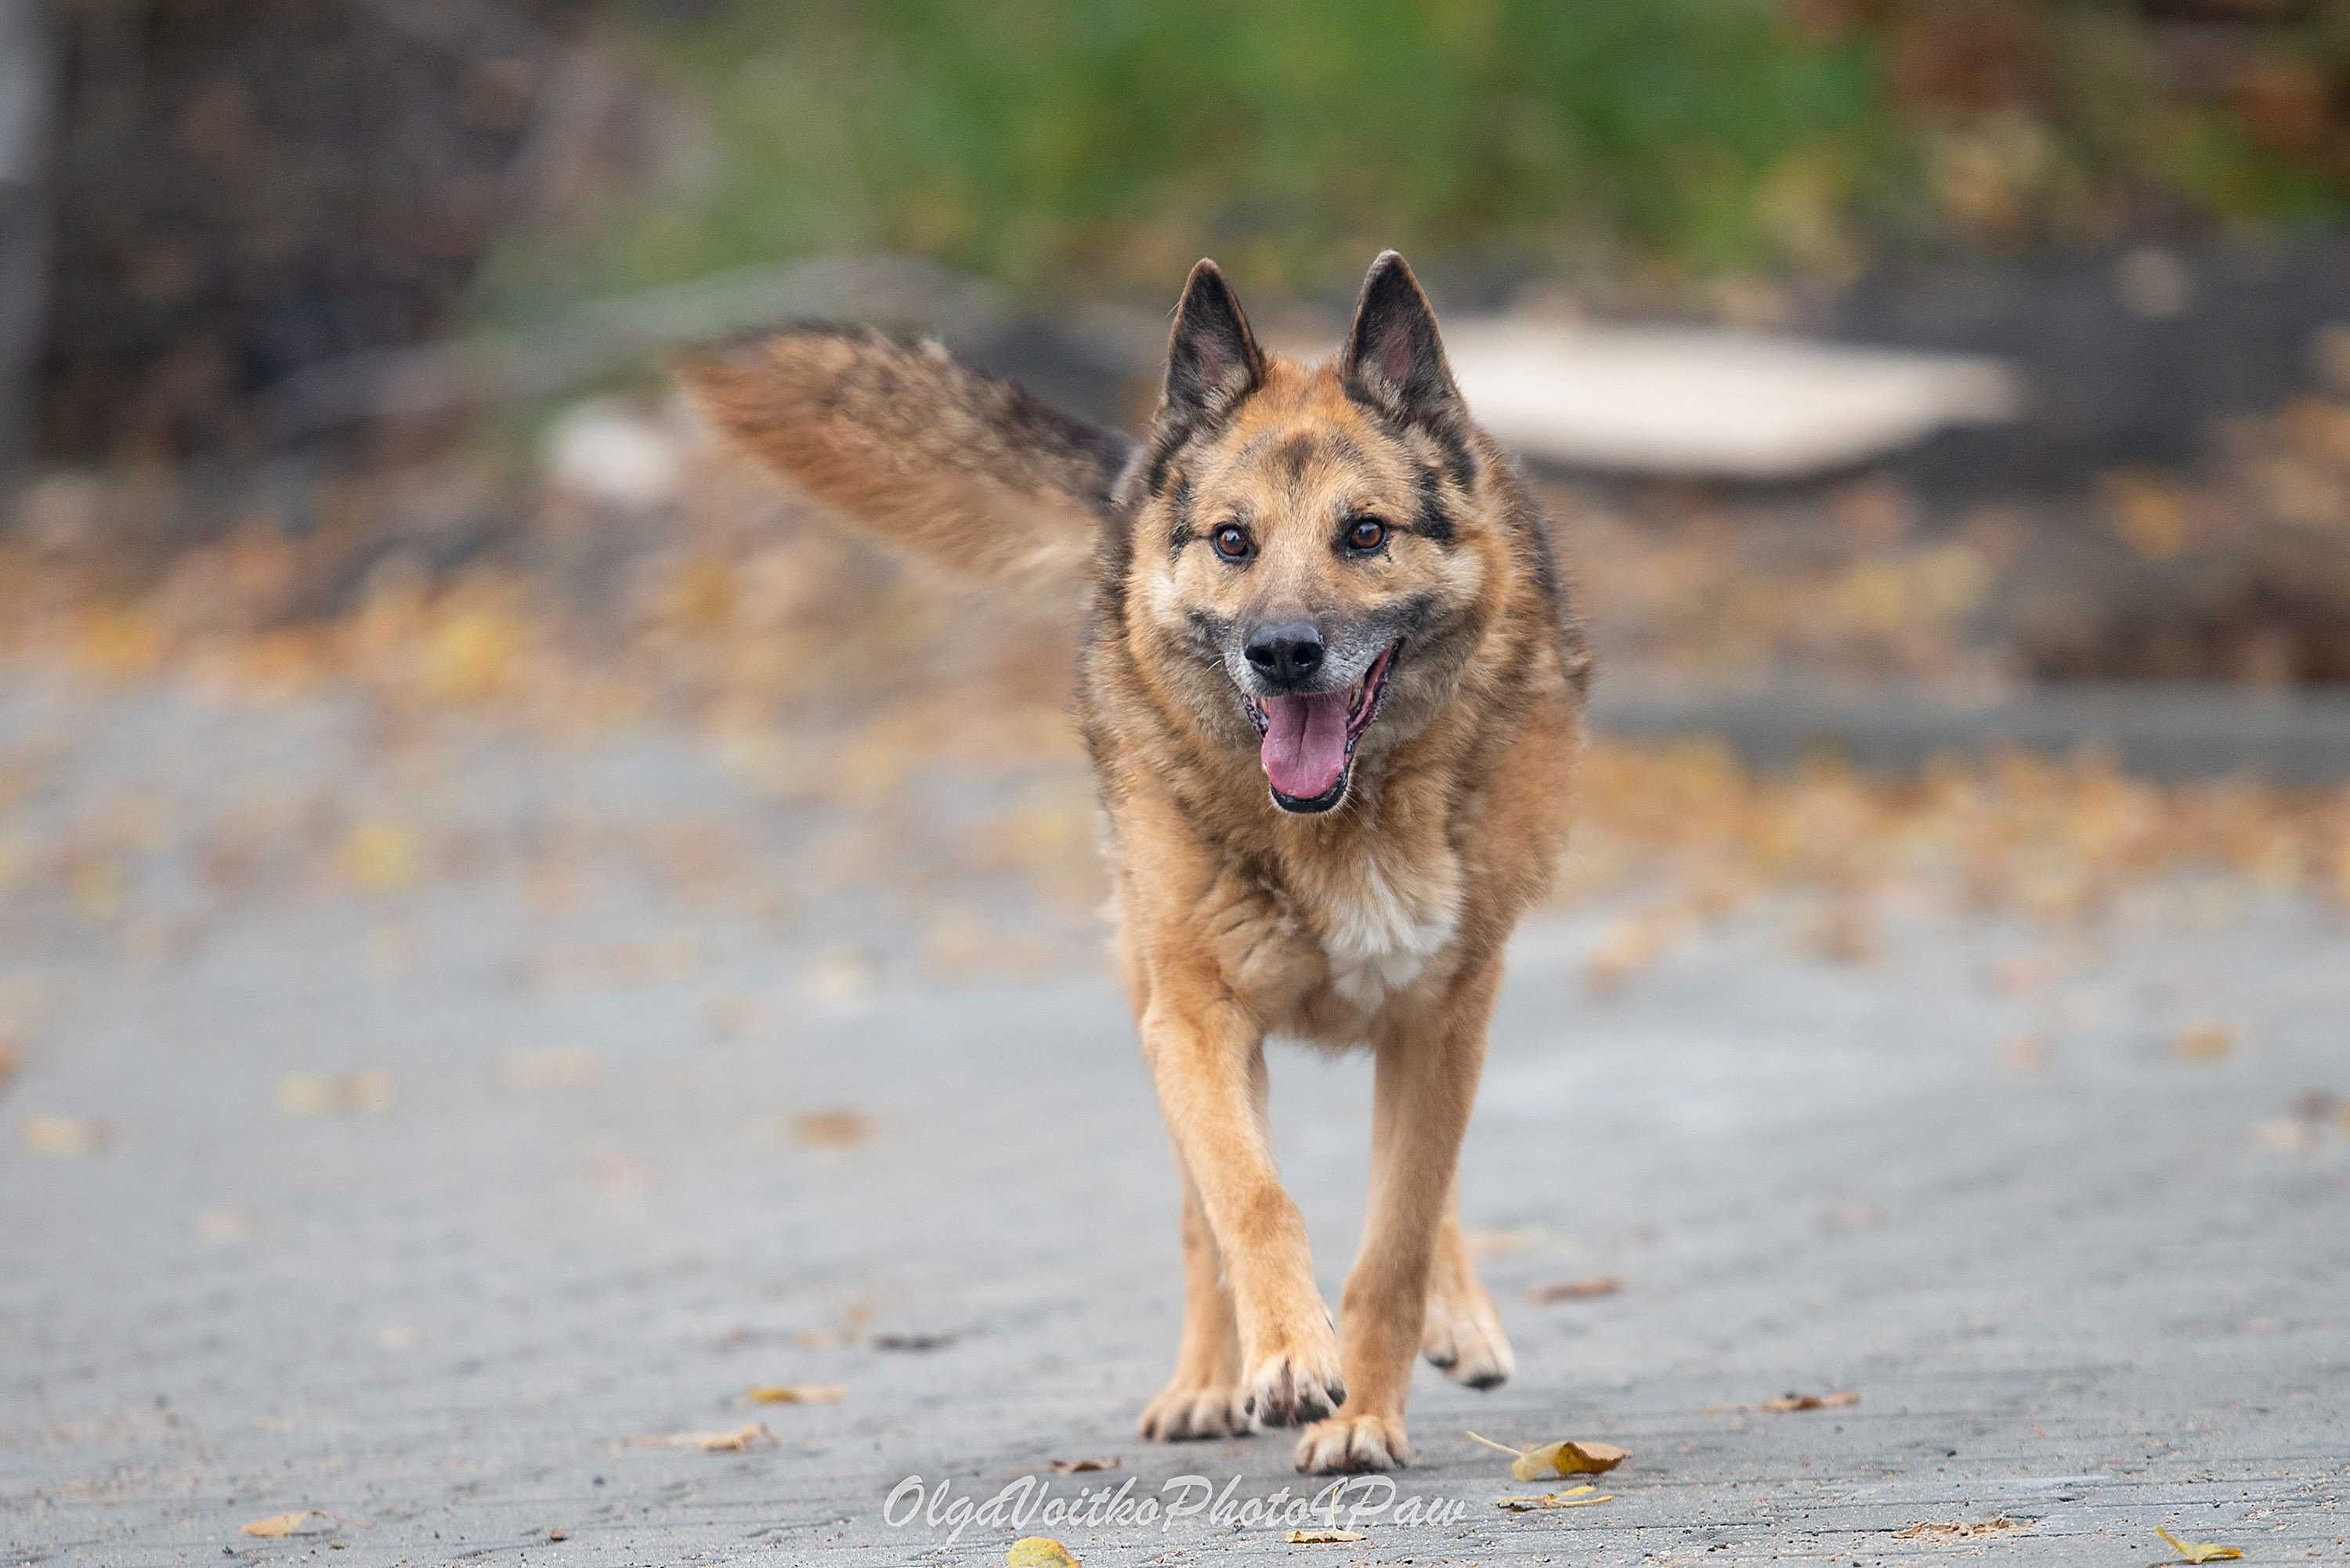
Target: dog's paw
{"x": 1187, "y": 1412}
{"x": 1292, "y": 1387}
{"x": 1349, "y": 1442}
{"x": 1462, "y": 1337}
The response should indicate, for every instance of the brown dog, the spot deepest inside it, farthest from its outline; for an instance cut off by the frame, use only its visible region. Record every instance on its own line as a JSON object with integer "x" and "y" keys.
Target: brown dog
{"x": 1334, "y": 695}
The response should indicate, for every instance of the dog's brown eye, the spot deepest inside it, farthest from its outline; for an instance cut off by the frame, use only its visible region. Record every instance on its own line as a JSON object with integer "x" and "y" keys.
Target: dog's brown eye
{"x": 1366, "y": 534}
{"x": 1231, "y": 541}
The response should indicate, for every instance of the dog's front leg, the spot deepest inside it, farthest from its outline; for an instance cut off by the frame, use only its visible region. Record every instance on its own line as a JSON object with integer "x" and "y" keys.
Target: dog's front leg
{"x": 1426, "y": 1082}
{"x": 1204, "y": 1396}
{"x": 1206, "y": 1057}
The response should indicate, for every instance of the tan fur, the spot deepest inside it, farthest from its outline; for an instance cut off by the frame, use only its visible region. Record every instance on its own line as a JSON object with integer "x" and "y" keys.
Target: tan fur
{"x": 1378, "y": 924}
{"x": 957, "y": 466}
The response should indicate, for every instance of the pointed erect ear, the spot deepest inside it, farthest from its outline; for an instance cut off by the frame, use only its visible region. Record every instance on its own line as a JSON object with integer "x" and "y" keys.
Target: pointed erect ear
{"x": 1393, "y": 356}
{"x": 1213, "y": 360}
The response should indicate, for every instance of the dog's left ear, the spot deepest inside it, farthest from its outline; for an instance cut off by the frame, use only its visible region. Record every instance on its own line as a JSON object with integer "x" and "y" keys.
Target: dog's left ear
{"x": 1393, "y": 355}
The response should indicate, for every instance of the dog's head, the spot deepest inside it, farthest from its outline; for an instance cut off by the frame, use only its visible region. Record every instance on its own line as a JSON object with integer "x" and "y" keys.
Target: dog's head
{"x": 1308, "y": 550}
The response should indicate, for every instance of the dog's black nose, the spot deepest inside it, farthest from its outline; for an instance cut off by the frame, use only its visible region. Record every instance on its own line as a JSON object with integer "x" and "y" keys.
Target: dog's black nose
{"x": 1287, "y": 654}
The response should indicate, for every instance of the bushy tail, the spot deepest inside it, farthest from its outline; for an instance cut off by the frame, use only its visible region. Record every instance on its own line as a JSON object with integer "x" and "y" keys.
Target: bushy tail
{"x": 967, "y": 470}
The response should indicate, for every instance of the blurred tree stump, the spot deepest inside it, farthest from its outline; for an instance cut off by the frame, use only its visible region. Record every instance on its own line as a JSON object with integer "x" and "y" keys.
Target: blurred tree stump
{"x": 25, "y": 95}
{"x": 249, "y": 188}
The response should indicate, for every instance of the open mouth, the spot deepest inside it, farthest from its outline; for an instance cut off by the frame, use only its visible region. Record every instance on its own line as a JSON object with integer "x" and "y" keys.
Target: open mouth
{"x": 1309, "y": 741}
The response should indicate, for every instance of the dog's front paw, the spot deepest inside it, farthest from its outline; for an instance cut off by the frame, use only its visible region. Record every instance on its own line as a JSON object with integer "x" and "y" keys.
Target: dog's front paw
{"x": 1291, "y": 1387}
{"x": 1186, "y": 1412}
{"x": 1463, "y": 1338}
{"x": 1350, "y": 1442}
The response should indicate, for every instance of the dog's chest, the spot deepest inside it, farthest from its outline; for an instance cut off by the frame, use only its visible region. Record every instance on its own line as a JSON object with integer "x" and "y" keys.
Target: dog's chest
{"x": 1381, "y": 925}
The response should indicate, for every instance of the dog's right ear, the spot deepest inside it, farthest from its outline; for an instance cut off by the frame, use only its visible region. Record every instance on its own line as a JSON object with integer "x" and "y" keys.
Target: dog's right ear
{"x": 1213, "y": 360}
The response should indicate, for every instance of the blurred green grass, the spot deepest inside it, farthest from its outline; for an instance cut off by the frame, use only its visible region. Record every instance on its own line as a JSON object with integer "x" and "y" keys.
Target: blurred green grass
{"x": 1098, "y": 146}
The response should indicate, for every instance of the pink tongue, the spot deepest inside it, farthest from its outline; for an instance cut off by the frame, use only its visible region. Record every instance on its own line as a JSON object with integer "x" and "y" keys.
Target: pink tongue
{"x": 1305, "y": 742}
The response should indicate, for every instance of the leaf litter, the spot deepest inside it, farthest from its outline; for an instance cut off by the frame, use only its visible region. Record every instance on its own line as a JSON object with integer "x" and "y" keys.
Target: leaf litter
{"x": 1961, "y": 1530}
{"x": 795, "y": 1393}
{"x": 1591, "y": 1289}
{"x": 1789, "y": 1403}
{"x": 1584, "y": 1496}
{"x": 1326, "y": 1533}
{"x": 2198, "y": 1551}
{"x": 1786, "y": 1404}
{"x": 1559, "y": 1459}
{"x": 278, "y": 1524}
{"x": 750, "y": 1435}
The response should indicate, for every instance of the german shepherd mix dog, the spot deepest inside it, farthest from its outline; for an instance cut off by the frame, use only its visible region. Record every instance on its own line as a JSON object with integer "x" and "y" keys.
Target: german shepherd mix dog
{"x": 1334, "y": 697}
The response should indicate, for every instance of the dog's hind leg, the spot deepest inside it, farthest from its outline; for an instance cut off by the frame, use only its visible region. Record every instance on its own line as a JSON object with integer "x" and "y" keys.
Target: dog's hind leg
{"x": 1463, "y": 1334}
{"x": 1425, "y": 1082}
{"x": 1203, "y": 1398}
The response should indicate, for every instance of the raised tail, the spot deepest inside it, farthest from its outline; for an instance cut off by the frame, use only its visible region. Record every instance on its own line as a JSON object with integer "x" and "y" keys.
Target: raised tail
{"x": 964, "y": 468}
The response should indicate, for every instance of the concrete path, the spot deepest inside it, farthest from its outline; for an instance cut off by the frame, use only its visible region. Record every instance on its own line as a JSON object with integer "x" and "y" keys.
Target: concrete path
{"x": 407, "y": 1122}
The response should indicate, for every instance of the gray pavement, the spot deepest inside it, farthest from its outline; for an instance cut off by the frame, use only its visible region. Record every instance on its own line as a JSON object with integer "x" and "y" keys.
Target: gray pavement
{"x": 586, "y": 990}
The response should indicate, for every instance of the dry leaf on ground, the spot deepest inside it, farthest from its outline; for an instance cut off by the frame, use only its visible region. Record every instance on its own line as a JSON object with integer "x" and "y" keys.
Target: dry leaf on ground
{"x": 63, "y": 1138}
{"x": 830, "y": 1129}
{"x": 1958, "y": 1529}
{"x": 2199, "y": 1551}
{"x": 1577, "y": 1289}
{"x": 750, "y": 1435}
{"x": 1786, "y": 1403}
{"x": 795, "y": 1393}
{"x": 280, "y": 1523}
{"x": 379, "y": 855}
{"x": 1573, "y": 1497}
{"x": 305, "y": 1095}
{"x": 1083, "y": 1467}
{"x": 1039, "y": 1552}
{"x": 1560, "y": 1459}
{"x": 1323, "y": 1537}
{"x": 2207, "y": 1042}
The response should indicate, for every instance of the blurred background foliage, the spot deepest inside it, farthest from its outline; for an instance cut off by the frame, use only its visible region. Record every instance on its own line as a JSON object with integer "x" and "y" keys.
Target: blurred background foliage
{"x": 243, "y": 190}
{"x": 326, "y": 281}
{"x": 1104, "y": 144}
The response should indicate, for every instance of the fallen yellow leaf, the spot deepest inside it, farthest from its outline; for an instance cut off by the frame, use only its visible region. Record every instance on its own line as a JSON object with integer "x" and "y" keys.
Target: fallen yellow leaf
{"x": 305, "y": 1094}
{"x": 2207, "y": 1042}
{"x": 1323, "y": 1537}
{"x": 750, "y": 1435}
{"x": 1039, "y": 1552}
{"x": 1574, "y": 1497}
{"x": 830, "y": 1129}
{"x": 278, "y": 1523}
{"x": 1577, "y": 1289}
{"x": 1785, "y": 1403}
{"x": 64, "y": 1137}
{"x": 2199, "y": 1551}
{"x": 795, "y": 1393}
{"x": 379, "y": 855}
{"x": 1958, "y": 1530}
{"x": 1560, "y": 1459}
